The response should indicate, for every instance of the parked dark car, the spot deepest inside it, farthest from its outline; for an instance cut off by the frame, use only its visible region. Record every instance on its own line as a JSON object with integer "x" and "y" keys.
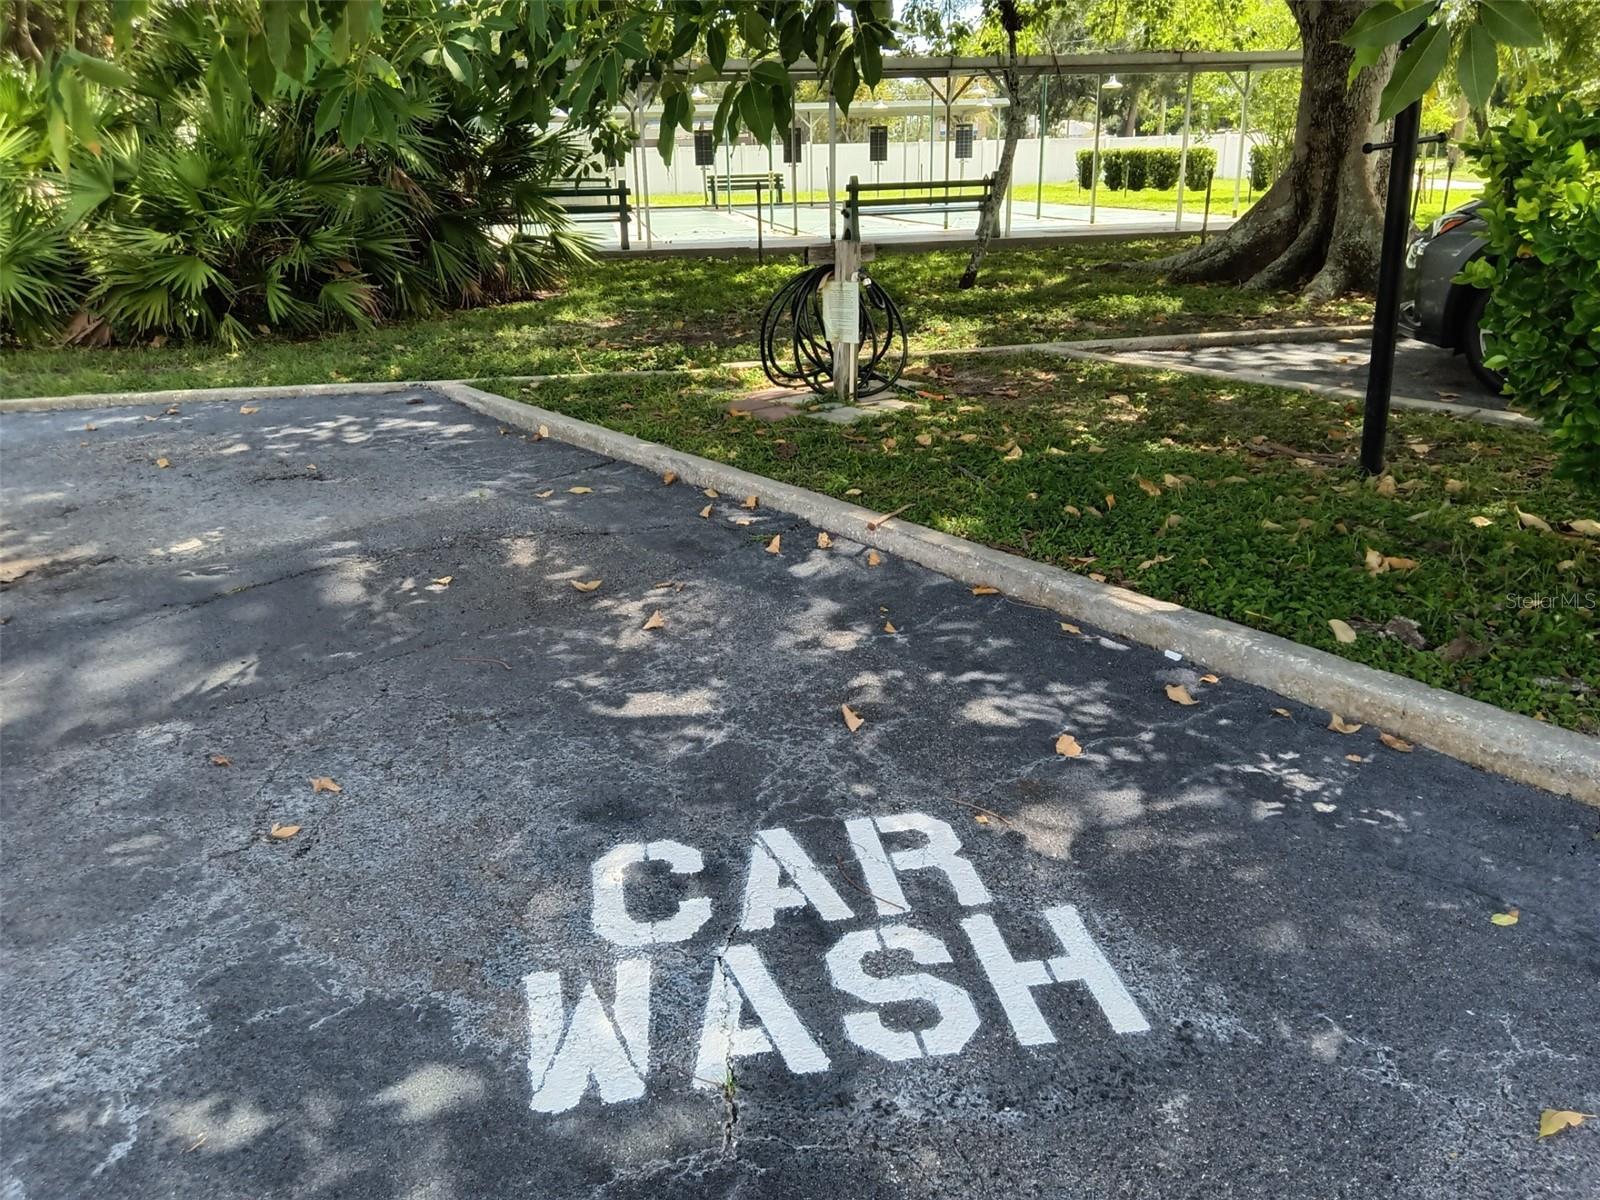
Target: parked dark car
{"x": 1433, "y": 307}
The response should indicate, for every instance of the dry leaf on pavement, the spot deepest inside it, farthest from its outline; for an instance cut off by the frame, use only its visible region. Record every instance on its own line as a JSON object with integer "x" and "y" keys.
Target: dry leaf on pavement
{"x": 1179, "y": 694}
{"x": 1395, "y": 743}
{"x": 1553, "y": 1120}
{"x": 823, "y": 541}
{"x": 1284, "y": 713}
{"x": 656, "y": 621}
{"x": 983, "y": 589}
{"x": 1069, "y": 627}
{"x": 543, "y": 432}
{"x": 162, "y": 463}
{"x": 221, "y": 760}
{"x": 670, "y": 478}
{"x": 706, "y": 511}
{"x": 321, "y": 783}
{"x": 873, "y": 558}
{"x": 1210, "y": 679}
{"x": 585, "y": 585}
{"x": 444, "y": 580}
{"x": 852, "y": 721}
{"x": 1067, "y": 746}
{"x": 710, "y": 493}
{"x": 775, "y": 546}
{"x": 284, "y": 831}
{"x": 546, "y": 494}
{"x": 888, "y": 627}
{"x": 1510, "y": 917}
{"x": 1339, "y": 725}
{"x": 247, "y": 410}
{"x": 749, "y": 502}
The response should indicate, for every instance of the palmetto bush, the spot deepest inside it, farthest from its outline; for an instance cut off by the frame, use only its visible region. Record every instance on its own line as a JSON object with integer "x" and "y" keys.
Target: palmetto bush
{"x": 193, "y": 207}
{"x": 227, "y": 223}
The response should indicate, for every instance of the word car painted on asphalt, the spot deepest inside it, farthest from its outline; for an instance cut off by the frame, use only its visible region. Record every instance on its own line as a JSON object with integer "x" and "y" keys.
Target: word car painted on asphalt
{"x": 570, "y": 1049}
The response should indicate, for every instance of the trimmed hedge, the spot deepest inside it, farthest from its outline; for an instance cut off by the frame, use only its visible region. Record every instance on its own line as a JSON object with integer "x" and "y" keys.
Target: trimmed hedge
{"x": 1135, "y": 170}
{"x": 1261, "y": 167}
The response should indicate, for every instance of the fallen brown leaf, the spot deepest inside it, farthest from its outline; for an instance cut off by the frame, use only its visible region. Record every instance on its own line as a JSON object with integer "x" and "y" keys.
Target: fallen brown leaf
{"x": 1209, "y": 679}
{"x": 321, "y": 783}
{"x": 852, "y": 721}
{"x": 444, "y": 580}
{"x": 163, "y": 463}
{"x": 1395, "y": 743}
{"x": 1530, "y": 521}
{"x": 580, "y": 491}
{"x": 1339, "y": 725}
{"x": 284, "y": 831}
{"x": 1145, "y": 486}
{"x": 924, "y": 439}
{"x": 543, "y": 432}
{"x": 1353, "y": 758}
{"x": 1067, "y": 746}
{"x": 1510, "y": 917}
{"x": 1012, "y": 455}
{"x": 221, "y": 760}
{"x": 706, "y": 511}
{"x": 824, "y": 542}
{"x": 1480, "y": 522}
{"x": 1342, "y": 633}
{"x": 888, "y": 627}
{"x": 710, "y": 493}
{"x": 749, "y": 502}
{"x": 546, "y": 494}
{"x": 246, "y": 410}
{"x": 670, "y": 478}
{"x": 1179, "y": 694}
{"x": 1069, "y": 627}
{"x": 983, "y": 589}
{"x": 656, "y": 621}
{"x": 1585, "y": 526}
{"x": 1284, "y": 713}
{"x": 873, "y": 558}
{"x": 584, "y": 585}
{"x": 775, "y": 546}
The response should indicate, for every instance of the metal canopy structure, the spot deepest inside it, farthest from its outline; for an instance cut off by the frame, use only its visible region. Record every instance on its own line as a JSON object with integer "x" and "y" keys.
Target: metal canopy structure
{"x": 966, "y": 69}
{"x": 1128, "y": 62}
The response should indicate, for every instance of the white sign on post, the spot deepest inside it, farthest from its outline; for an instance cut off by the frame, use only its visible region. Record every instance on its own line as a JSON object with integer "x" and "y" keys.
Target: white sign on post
{"x": 841, "y": 311}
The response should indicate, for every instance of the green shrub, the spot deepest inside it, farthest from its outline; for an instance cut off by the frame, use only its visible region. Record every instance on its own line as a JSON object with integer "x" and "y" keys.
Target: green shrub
{"x": 199, "y": 205}
{"x": 1262, "y": 168}
{"x": 1136, "y": 169}
{"x": 1163, "y": 168}
{"x": 1085, "y": 168}
{"x": 1113, "y": 168}
{"x": 1202, "y": 165}
{"x": 1542, "y": 269}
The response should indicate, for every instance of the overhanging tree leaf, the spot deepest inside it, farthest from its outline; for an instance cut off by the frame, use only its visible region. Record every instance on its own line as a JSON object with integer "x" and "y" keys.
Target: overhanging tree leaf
{"x": 1477, "y": 66}
{"x": 1511, "y": 22}
{"x": 1385, "y": 24}
{"x": 1419, "y": 65}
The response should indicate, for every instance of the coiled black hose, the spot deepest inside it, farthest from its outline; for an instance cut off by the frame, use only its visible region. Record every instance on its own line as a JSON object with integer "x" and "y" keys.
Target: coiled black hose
{"x": 793, "y": 322}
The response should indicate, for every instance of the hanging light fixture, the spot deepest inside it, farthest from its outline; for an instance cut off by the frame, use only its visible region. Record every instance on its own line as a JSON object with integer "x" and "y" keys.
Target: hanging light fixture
{"x": 1111, "y": 85}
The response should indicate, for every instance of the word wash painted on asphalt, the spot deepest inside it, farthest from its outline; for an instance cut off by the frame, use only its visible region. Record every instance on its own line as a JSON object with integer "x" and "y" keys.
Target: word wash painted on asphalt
{"x": 746, "y": 1010}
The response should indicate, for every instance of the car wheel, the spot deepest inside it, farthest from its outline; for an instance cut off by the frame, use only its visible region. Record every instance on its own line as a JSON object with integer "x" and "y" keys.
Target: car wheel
{"x": 1472, "y": 343}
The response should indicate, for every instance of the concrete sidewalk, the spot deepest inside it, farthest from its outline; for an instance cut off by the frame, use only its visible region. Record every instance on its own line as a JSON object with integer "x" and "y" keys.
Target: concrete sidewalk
{"x": 1211, "y": 955}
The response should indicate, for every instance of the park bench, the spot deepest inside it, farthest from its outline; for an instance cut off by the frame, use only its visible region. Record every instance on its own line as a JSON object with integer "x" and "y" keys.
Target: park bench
{"x": 912, "y": 198}
{"x": 598, "y": 199}
{"x": 770, "y": 181}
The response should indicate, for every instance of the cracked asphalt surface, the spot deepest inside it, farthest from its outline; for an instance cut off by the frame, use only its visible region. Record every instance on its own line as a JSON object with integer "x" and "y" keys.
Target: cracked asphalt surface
{"x": 198, "y": 1009}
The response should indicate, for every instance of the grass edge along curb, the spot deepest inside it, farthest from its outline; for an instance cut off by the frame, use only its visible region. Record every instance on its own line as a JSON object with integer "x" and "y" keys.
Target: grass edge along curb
{"x": 1559, "y": 760}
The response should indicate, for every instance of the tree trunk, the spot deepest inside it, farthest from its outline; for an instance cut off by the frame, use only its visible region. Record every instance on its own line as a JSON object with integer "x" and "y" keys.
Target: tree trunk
{"x": 1320, "y": 223}
{"x": 1016, "y": 121}
{"x": 1130, "y": 112}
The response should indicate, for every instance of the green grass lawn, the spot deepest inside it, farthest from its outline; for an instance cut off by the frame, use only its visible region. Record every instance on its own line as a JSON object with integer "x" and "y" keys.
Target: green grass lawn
{"x": 1238, "y": 501}
{"x": 630, "y": 314}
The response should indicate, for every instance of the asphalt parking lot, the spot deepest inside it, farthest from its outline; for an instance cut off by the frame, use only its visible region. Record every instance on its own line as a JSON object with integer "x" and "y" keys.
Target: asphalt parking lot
{"x": 351, "y": 850}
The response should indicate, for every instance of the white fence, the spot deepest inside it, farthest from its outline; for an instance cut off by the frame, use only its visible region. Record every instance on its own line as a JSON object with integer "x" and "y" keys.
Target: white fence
{"x": 913, "y": 161}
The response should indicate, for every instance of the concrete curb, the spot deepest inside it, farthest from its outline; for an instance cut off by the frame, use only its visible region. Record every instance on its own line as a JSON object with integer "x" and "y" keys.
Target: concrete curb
{"x": 289, "y": 390}
{"x": 1164, "y": 341}
{"x": 1523, "y": 749}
